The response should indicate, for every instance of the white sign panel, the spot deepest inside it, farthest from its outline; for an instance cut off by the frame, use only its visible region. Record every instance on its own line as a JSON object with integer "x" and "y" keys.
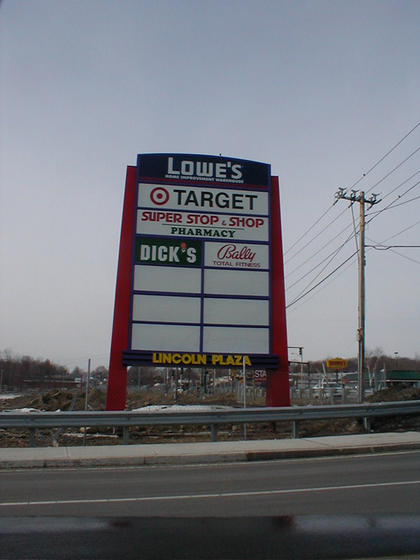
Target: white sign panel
{"x": 236, "y": 339}
{"x": 236, "y": 255}
{"x": 165, "y": 337}
{"x": 236, "y": 311}
{"x": 166, "y": 309}
{"x": 167, "y": 279}
{"x": 202, "y": 199}
{"x": 192, "y": 224}
{"x": 236, "y": 282}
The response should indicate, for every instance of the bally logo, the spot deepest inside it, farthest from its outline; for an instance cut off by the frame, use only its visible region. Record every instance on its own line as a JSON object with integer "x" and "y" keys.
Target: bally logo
{"x": 235, "y": 252}
{"x": 205, "y": 170}
{"x": 162, "y": 251}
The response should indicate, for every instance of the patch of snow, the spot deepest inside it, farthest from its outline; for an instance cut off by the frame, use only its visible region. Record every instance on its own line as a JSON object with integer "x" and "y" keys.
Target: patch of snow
{"x": 89, "y": 435}
{"x": 22, "y": 410}
{"x": 181, "y": 408}
{"x": 7, "y": 396}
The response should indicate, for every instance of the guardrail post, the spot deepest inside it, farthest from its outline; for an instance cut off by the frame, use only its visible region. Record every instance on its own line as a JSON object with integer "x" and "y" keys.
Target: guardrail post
{"x": 126, "y": 435}
{"x": 31, "y": 437}
{"x": 366, "y": 423}
{"x": 213, "y": 432}
{"x": 295, "y": 429}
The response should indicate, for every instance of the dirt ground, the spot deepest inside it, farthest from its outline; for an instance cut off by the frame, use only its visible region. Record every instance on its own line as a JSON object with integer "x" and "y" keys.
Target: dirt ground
{"x": 65, "y": 400}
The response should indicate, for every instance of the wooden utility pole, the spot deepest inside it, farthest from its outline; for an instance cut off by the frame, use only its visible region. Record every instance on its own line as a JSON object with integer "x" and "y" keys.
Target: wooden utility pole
{"x": 354, "y": 196}
{"x": 362, "y": 295}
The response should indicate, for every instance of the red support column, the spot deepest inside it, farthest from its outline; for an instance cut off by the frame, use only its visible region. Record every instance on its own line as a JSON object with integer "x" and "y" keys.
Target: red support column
{"x": 278, "y": 392}
{"x": 117, "y": 377}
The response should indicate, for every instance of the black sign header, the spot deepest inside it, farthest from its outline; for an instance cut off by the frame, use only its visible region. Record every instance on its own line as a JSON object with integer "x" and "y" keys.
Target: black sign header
{"x": 202, "y": 169}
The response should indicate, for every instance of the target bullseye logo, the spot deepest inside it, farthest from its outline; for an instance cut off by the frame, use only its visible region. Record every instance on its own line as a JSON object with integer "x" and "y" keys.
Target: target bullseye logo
{"x": 159, "y": 196}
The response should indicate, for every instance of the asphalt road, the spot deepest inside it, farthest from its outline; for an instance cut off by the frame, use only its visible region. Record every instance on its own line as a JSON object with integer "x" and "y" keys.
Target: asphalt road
{"x": 364, "y": 485}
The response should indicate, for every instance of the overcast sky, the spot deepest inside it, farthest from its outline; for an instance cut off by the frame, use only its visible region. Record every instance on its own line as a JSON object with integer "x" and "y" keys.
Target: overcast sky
{"x": 321, "y": 90}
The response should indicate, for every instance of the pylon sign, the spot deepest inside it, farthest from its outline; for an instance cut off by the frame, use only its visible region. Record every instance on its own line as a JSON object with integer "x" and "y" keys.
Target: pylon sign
{"x": 200, "y": 273}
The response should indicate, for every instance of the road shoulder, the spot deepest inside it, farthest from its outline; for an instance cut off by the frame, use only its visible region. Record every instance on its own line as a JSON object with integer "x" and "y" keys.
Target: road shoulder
{"x": 211, "y": 452}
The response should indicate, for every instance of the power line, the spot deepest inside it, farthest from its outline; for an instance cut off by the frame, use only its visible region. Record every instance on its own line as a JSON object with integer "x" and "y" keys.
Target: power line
{"x": 317, "y": 252}
{"x": 400, "y": 185}
{"x": 400, "y": 232}
{"x": 308, "y": 230}
{"x": 393, "y": 205}
{"x": 300, "y": 297}
{"x": 386, "y": 155}
{"x": 397, "y": 253}
{"x": 405, "y": 256}
{"x": 396, "y": 235}
{"x": 364, "y": 175}
{"x": 332, "y": 255}
{"x": 321, "y": 281}
{"x": 323, "y": 287}
{"x": 405, "y": 202}
{"x": 393, "y": 170}
{"x": 313, "y": 239}
{"x": 387, "y": 247}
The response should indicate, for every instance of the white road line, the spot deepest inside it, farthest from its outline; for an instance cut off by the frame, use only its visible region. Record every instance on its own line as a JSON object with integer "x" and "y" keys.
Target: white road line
{"x": 215, "y": 495}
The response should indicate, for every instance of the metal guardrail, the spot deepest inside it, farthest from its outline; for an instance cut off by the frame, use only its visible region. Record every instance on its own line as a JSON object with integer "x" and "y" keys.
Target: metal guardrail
{"x": 79, "y": 419}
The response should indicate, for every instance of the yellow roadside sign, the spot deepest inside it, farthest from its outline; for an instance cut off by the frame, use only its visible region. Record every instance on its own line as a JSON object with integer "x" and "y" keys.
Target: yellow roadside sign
{"x": 337, "y": 363}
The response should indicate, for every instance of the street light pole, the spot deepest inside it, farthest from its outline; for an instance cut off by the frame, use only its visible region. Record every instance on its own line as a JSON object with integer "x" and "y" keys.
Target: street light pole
{"x": 87, "y": 385}
{"x": 86, "y": 399}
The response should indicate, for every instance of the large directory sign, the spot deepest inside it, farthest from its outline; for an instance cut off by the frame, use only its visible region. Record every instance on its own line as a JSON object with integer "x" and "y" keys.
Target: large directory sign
{"x": 196, "y": 286}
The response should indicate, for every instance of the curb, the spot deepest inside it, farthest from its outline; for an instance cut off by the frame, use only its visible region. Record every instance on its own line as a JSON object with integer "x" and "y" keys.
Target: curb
{"x": 203, "y": 458}
{"x": 305, "y": 453}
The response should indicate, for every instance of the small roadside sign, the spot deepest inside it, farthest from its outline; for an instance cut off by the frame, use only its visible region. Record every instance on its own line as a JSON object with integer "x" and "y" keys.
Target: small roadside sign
{"x": 337, "y": 363}
{"x": 260, "y": 377}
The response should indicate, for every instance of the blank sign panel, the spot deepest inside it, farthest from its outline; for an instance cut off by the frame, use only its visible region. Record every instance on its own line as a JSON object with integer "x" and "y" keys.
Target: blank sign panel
{"x": 168, "y": 338}
{"x": 238, "y": 340}
{"x": 236, "y": 311}
{"x": 236, "y": 282}
{"x": 167, "y": 309}
{"x": 167, "y": 279}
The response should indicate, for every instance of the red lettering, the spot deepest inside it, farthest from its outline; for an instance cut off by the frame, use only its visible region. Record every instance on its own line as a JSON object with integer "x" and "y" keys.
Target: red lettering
{"x": 202, "y": 219}
{"x": 246, "y": 222}
{"x": 168, "y": 217}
